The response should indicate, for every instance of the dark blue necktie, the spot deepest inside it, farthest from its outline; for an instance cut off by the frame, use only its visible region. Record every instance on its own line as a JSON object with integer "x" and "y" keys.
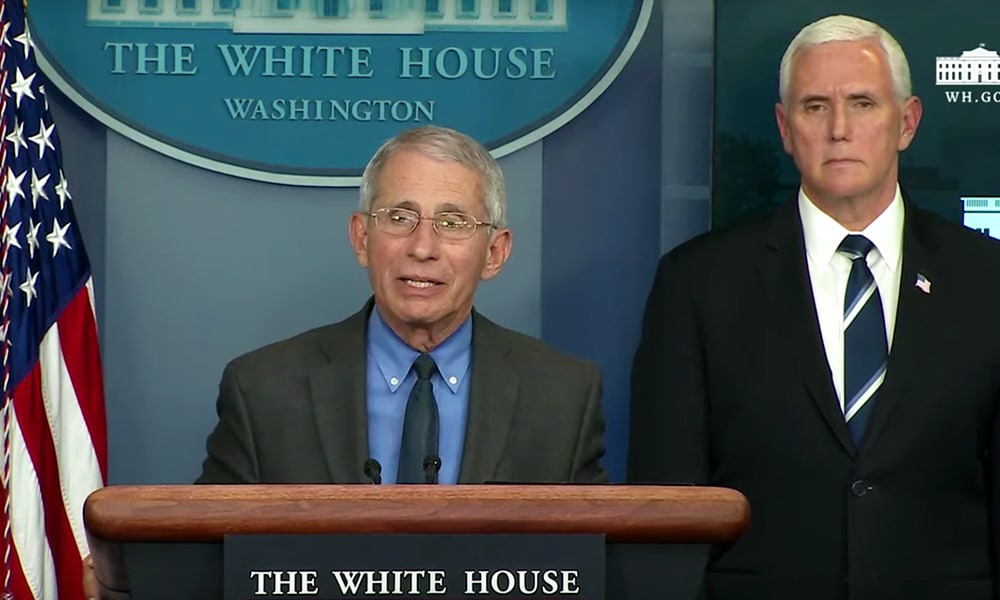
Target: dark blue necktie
{"x": 866, "y": 351}
{"x": 420, "y": 426}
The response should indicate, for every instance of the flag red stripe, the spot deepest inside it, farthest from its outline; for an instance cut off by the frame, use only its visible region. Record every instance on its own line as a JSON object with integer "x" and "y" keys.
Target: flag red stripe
{"x": 80, "y": 350}
{"x": 18, "y": 584}
{"x": 34, "y": 425}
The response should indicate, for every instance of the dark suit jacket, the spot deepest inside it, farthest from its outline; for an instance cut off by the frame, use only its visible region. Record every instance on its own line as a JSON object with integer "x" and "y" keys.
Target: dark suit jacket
{"x": 294, "y": 411}
{"x": 731, "y": 387}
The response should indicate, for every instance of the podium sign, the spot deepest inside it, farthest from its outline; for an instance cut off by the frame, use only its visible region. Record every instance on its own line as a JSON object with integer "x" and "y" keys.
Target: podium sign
{"x": 390, "y": 566}
{"x": 168, "y": 542}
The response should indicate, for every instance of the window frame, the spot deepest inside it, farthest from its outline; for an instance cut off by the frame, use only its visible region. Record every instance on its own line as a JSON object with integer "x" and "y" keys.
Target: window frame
{"x": 541, "y": 14}
{"x": 218, "y": 9}
{"x": 182, "y": 10}
{"x": 499, "y": 14}
{"x": 461, "y": 13}
{"x": 150, "y": 10}
{"x": 108, "y": 8}
{"x": 341, "y": 14}
{"x": 436, "y": 14}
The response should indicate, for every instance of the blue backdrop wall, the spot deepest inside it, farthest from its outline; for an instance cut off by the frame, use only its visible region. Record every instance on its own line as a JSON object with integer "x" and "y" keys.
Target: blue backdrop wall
{"x": 193, "y": 267}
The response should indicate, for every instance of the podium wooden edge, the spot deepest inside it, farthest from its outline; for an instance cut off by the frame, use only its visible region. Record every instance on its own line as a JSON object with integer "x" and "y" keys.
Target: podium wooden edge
{"x": 118, "y": 515}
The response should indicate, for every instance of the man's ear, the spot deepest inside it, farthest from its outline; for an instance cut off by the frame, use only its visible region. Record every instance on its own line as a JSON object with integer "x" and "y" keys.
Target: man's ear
{"x": 913, "y": 110}
{"x": 781, "y": 116}
{"x": 357, "y": 230}
{"x": 497, "y": 253}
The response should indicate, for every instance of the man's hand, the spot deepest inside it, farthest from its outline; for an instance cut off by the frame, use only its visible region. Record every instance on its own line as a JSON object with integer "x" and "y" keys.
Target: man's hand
{"x": 89, "y": 578}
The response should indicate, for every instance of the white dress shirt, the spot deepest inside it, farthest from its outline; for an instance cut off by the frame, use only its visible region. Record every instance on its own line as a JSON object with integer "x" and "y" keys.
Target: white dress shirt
{"x": 829, "y": 269}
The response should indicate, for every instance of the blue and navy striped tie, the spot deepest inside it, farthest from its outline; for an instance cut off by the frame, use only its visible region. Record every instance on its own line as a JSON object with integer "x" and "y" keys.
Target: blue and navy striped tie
{"x": 865, "y": 348}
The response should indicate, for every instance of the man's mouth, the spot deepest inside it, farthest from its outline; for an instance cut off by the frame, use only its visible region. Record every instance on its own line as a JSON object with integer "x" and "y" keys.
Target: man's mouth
{"x": 419, "y": 283}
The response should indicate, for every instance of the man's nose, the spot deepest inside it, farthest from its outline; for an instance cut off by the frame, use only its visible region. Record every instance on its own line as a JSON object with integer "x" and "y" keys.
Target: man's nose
{"x": 424, "y": 241}
{"x": 840, "y": 126}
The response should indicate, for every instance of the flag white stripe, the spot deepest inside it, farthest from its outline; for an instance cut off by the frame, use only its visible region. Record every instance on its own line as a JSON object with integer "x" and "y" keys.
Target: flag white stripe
{"x": 27, "y": 517}
{"x": 79, "y": 473}
{"x": 93, "y": 303}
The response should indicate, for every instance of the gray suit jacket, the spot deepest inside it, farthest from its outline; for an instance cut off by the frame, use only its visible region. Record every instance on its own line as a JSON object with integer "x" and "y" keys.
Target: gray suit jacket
{"x": 294, "y": 411}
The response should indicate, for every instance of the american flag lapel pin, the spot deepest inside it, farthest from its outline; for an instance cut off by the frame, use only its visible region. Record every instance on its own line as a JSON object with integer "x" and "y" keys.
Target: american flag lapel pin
{"x": 923, "y": 283}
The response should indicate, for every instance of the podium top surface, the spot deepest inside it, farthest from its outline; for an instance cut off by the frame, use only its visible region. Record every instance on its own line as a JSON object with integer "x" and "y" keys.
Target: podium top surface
{"x": 639, "y": 514}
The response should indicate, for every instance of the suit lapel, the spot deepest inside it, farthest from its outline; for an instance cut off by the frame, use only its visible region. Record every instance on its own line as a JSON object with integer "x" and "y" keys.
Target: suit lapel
{"x": 786, "y": 279}
{"x": 493, "y": 399}
{"x": 338, "y": 396}
{"x": 914, "y": 312}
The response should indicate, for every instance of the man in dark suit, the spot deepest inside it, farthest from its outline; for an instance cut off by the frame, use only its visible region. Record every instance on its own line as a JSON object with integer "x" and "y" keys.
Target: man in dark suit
{"x": 837, "y": 361}
{"x": 341, "y": 403}
{"x": 315, "y": 408}
{"x": 296, "y": 412}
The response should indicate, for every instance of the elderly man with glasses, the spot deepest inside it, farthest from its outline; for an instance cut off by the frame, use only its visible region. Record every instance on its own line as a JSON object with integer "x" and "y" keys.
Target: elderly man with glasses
{"x": 417, "y": 387}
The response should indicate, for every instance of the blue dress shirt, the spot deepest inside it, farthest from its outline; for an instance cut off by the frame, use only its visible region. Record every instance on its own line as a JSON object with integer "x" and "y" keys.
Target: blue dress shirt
{"x": 388, "y": 385}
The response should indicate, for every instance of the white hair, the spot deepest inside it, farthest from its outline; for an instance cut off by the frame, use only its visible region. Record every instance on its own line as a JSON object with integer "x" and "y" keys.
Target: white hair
{"x": 845, "y": 28}
{"x": 441, "y": 143}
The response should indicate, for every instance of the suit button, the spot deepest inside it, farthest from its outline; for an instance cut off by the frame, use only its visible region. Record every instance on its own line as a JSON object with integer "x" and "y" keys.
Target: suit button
{"x": 860, "y": 488}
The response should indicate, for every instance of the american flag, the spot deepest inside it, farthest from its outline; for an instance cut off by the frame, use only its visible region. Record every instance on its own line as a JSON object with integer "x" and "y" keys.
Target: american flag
{"x": 54, "y": 430}
{"x": 923, "y": 283}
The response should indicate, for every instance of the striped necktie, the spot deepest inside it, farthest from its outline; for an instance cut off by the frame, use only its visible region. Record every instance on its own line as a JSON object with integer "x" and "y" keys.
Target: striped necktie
{"x": 865, "y": 348}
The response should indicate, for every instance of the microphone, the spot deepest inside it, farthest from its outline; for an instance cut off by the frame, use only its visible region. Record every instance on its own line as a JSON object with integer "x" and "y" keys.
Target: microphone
{"x": 373, "y": 471}
{"x": 432, "y": 464}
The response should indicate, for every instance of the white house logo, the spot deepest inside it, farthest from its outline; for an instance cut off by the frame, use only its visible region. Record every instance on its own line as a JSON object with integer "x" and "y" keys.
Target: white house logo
{"x": 977, "y": 67}
{"x": 982, "y": 214}
{"x": 303, "y": 91}
{"x": 332, "y": 16}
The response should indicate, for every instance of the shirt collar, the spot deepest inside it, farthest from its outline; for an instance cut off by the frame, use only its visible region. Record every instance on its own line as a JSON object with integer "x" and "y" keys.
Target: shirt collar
{"x": 394, "y": 358}
{"x": 823, "y": 234}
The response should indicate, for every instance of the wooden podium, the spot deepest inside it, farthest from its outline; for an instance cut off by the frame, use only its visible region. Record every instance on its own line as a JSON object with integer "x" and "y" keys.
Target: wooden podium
{"x": 153, "y": 542}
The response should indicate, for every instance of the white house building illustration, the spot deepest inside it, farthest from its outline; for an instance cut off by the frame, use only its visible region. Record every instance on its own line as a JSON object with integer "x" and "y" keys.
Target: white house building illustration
{"x": 332, "y": 16}
{"x": 982, "y": 214}
{"x": 978, "y": 66}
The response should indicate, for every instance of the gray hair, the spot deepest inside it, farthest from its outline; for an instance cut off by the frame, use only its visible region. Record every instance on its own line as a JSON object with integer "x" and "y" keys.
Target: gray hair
{"x": 441, "y": 143}
{"x": 845, "y": 28}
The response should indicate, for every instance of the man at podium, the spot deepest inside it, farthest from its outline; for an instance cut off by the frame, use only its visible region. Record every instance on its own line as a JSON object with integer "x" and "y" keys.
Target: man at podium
{"x": 417, "y": 386}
